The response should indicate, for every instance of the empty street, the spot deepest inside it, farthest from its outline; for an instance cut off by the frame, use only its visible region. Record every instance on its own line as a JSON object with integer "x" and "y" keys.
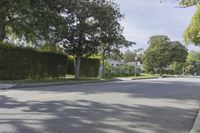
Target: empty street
{"x": 141, "y": 106}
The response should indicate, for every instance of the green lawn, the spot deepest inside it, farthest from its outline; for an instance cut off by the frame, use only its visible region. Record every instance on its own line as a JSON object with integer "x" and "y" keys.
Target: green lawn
{"x": 145, "y": 75}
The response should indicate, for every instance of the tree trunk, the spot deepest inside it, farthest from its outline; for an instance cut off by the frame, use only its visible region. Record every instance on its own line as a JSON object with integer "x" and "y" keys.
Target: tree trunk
{"x": 77, "y": 64}
{"x": 161, "y": 72}
{"x": 103, "y": 64}
{"x": 2, "y": 27}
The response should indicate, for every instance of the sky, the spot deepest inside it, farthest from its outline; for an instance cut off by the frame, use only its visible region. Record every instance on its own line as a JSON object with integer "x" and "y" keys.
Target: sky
{"x": 144, "y": 18}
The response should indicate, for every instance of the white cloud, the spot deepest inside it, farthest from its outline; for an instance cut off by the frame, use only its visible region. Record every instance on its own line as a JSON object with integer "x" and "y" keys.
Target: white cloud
{"x": 144, "y": 18}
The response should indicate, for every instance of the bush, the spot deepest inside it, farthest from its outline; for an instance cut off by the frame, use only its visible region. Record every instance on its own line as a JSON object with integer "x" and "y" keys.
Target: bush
{"x": 70, "y": 68}
{"x": 89, "y": 67}
{"x": 25, "y": 63}
{"x": 121, "y": 71}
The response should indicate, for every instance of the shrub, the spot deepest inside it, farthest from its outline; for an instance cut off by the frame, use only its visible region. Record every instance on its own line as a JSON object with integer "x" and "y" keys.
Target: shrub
{"x": 70, "y": 69}
{"x": 25, "y": 63}
{"x": 121, "y": 71}
{"x": 89, "y": 67}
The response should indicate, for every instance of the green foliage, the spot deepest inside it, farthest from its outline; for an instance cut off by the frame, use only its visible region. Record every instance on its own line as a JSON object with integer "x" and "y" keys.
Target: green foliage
{"x": 193, "y": 63}
{"x": 70, "y": 68}
{"x": 129, "y": 56}
{"x": 177, "y": 67}
{"x": 193, "y": 68}
{"x": 162, "y": 52}
{"x": 187, "y": 3}
{"x": 179, "y": 56}
{"x": 30, "y": 20}
{"x": 86, "y": 29}
{"x": 158, "y": 55}
{"x": 120, "y": 71}
{"x": 192, "y": 33}
{"x": 89, "y": 67}
{"x": 179, "y": 52}
{"x": 116, "y": 56}
{"x": 194, "y": 56}
{"x": 25, "y": 63}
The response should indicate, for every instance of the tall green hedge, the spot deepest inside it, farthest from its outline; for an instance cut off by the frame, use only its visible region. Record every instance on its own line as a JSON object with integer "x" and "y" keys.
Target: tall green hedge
{"x": 25, "y": 63}
{"x": 89, "y": 67}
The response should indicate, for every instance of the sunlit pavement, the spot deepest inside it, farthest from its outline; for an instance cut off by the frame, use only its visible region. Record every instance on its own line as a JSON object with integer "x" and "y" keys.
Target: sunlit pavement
{"x": 145, "y": 106}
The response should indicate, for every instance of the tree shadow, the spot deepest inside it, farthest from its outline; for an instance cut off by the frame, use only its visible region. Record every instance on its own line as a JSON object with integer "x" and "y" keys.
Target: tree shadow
{"x": 84, "y": 116}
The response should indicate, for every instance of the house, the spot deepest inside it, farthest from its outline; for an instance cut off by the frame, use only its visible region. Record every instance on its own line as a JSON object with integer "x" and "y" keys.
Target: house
{"x": 115, "y": 63}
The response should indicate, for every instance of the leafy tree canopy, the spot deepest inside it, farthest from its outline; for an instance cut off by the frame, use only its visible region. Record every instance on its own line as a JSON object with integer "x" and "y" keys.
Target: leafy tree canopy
{"x": 194, "y": 56}
{"x": 187, "y": 3}
{"x": 158, "y": 55}
{"x": 179, "y": 52}
{"x": 129, "y": 56}
{"x": 92, "y": 25}
{"x": 192, "y": 33}
{"x": 31, "y": 20}
{"x": 162, "y": 52}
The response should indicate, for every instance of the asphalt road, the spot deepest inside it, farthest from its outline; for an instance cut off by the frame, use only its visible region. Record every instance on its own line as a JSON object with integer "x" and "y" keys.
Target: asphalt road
{"x": 145, "y": 106}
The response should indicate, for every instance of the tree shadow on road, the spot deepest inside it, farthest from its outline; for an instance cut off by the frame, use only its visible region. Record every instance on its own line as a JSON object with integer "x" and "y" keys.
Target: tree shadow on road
{"x": 83, "y": 116}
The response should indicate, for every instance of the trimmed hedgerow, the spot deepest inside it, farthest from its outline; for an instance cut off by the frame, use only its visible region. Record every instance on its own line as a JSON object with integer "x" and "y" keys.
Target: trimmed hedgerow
{"x": 89, "y": 67}
{"x": 26, "y": 63}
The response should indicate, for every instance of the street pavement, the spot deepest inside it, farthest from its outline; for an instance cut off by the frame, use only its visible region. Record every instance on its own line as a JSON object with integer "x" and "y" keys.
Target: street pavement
{"x": 143, "y": 106}
{"x": 6, "y": 86}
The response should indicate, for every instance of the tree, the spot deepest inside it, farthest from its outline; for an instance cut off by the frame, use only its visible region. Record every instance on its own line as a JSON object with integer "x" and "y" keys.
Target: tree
{"x": 114, "y": 48}
{"x": 179, "y": 56}
{"x": 192, "y": 33}
{"x": 30, "y": 20}
{"x": 193, "y": 56}
{"x": 179, "y": 52}
{"x": 188, "y": 3}
{"x": 111, "y": 37}
{"x": 178, "y": 67}
{"x": 158, "y": 55}
{"x": 86, "y": 32}
{"x": 129, "y": 56}
{"x": 79, "y": 38}
{"x": 193, "y": 63}
{"x": 162, "y": 52}
{"x": 116, "y": 55}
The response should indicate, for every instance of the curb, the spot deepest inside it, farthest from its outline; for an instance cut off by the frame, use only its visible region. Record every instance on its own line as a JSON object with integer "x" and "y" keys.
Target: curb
{"x": 29, "y": 85}
{"x": 196, "y": 125}
{"x": 7, "y": 86}
{"x": 145, "y": 78}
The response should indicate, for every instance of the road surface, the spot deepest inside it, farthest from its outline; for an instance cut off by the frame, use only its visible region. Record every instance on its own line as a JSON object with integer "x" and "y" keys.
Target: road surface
{"x": 145, "y": 106}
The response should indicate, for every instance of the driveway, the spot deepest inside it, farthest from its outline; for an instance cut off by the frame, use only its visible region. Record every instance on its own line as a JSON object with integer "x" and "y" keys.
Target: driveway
{"x": 144, "y": 106}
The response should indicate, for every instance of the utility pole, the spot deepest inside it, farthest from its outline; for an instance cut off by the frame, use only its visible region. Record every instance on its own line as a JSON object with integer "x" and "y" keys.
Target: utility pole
{"x": 136, "y": 66}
